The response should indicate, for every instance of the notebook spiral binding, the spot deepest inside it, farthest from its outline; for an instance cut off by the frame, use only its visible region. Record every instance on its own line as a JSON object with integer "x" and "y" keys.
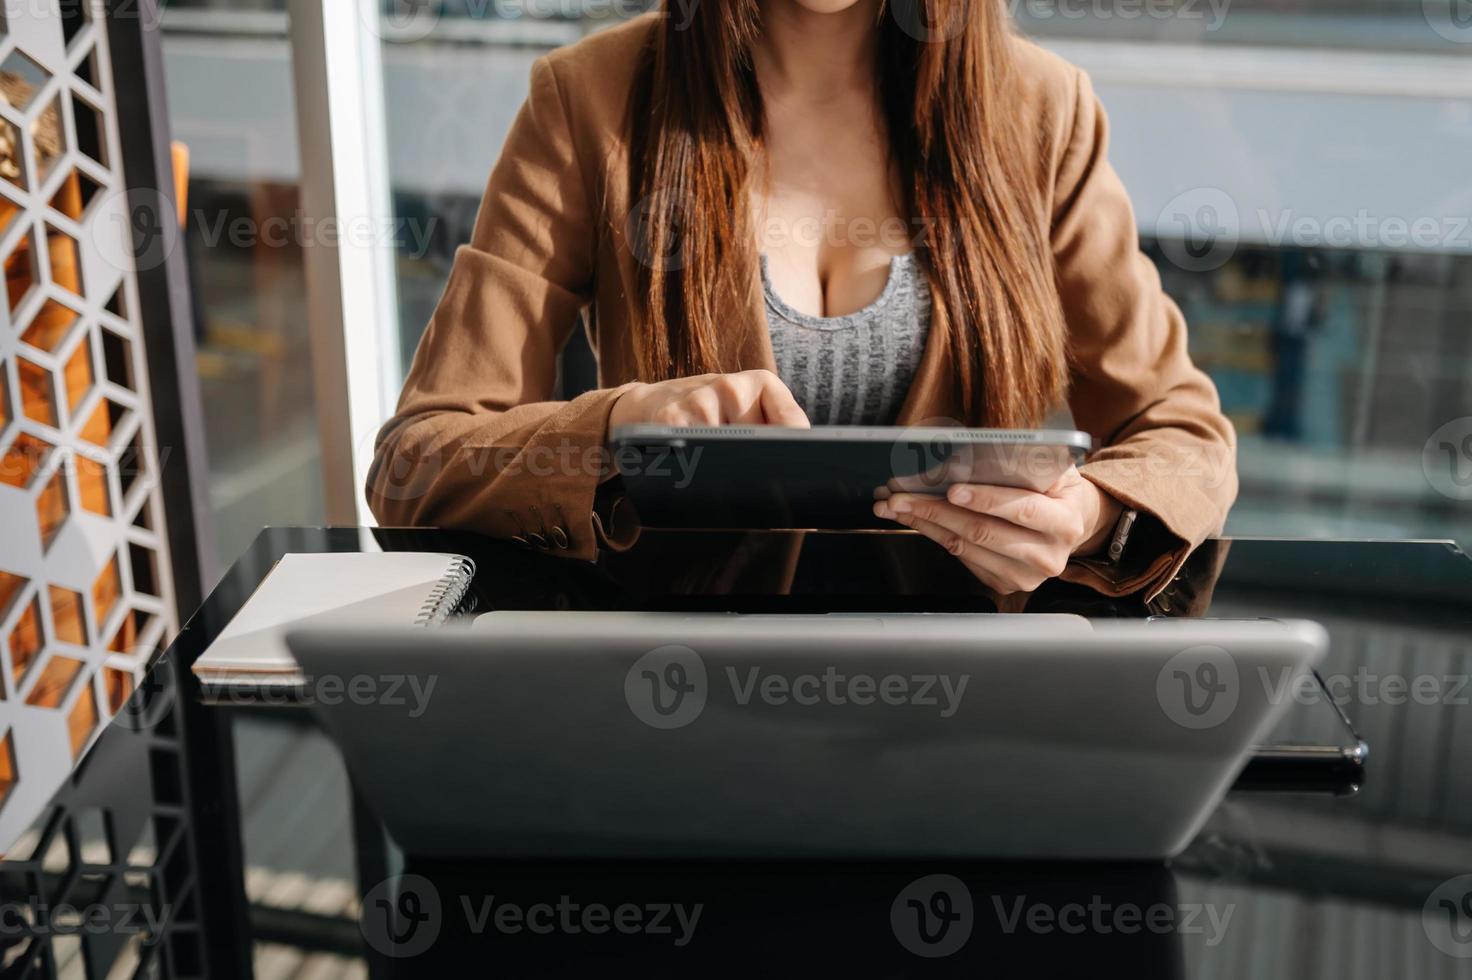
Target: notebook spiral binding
{"x": 445, "y": 597}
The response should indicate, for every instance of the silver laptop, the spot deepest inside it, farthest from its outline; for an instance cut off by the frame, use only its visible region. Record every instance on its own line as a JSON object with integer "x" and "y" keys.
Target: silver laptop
{"x": 624, "y": 735}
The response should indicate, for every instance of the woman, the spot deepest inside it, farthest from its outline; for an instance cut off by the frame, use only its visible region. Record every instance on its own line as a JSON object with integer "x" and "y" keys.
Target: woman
{"x": 864, "y": 211}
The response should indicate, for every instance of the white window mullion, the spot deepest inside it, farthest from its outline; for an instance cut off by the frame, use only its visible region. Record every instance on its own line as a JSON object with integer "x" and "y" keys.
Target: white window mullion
{"x": 351, "y": 292}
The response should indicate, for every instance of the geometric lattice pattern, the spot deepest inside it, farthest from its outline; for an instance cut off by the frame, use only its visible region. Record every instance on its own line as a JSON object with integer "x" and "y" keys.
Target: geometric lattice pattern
{"x": 85, "y": 590}
{"x": 127, "y": 858}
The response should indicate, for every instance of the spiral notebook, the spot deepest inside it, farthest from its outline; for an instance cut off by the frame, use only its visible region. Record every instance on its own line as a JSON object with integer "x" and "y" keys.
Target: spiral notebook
{"x": 392, "y": 588}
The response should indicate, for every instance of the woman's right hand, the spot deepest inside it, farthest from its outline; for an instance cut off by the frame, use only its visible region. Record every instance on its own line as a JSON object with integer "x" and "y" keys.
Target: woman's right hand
{"x": 743, "y": 398}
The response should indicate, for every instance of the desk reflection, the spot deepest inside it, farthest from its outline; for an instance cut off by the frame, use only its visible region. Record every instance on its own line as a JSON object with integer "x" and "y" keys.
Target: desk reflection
{"x": 801, "y": 571}
{"x": 1018, "y": 919}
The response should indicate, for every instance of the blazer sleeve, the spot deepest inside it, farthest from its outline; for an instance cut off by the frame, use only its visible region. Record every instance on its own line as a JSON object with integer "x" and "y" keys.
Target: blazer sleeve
{"x": 476, "y": 442}
{"x": 1164, "y": 447}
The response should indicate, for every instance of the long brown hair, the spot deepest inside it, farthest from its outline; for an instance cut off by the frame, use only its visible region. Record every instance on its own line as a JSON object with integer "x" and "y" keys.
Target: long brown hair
{"x": 944, "y": 79}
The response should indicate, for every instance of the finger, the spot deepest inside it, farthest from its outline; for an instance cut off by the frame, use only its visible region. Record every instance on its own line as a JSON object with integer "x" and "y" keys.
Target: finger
{"x": 778, "y": 405}
{"x": 981, "y": 530}
{"x": 1025, "y": 508}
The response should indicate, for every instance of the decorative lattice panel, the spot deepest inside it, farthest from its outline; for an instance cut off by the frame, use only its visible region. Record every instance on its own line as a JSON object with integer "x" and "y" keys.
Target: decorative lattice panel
{"x": 122, "y": 862}
{"x": 85, "y": 591}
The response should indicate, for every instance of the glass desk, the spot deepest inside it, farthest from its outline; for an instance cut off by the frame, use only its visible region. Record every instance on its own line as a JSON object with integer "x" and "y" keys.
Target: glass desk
{"x": 202, "y": 840}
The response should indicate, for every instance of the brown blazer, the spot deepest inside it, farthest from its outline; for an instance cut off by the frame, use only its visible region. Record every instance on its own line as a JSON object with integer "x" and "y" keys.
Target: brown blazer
{"x": 477, "y": 442}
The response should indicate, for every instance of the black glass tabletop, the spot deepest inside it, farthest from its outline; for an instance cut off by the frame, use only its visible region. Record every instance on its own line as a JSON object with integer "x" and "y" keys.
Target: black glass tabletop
{"x": 197, "y": 839}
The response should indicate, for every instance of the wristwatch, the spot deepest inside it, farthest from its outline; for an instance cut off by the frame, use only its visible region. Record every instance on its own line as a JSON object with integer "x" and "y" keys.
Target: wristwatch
{"x": 1121, "y": 535}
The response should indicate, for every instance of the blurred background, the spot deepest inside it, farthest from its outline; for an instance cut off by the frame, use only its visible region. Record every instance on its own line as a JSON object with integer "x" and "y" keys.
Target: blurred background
{"x": 1299, "y": 170}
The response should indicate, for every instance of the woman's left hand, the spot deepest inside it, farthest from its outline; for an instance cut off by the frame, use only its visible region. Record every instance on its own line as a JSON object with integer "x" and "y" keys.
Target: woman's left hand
{"x": 1012, "y": 540}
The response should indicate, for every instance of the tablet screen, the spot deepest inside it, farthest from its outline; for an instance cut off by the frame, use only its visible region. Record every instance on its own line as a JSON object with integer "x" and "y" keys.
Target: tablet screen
{"x": 821, "y": 478}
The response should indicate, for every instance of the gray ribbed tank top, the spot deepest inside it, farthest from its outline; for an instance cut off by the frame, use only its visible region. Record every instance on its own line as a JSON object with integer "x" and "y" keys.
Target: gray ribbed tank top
{"x": 854, "y": 369}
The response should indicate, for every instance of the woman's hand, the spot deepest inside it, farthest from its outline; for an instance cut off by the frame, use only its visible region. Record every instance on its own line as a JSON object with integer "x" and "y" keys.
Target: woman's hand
{"x": 744, "y": 398}
{"x": 1012, "y": 540}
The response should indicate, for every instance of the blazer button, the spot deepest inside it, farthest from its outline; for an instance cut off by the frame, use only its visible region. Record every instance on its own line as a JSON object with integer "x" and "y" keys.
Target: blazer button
{"x": 559, "y": 537}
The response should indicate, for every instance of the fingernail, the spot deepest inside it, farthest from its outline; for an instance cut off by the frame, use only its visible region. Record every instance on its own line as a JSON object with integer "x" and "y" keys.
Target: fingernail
{"x": 960, "y": 495}
{"x": 900, "y": 505}
{"x": 881, "y": 510}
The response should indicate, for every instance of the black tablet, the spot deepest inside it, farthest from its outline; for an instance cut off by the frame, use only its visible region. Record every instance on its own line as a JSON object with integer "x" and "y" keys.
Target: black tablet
{"x": 1313, "y": 748}
{"x": 826, "y": 477}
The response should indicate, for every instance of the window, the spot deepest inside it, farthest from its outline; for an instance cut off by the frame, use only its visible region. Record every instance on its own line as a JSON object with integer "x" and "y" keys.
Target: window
{"x": 232, "y": 101}
{"x": 1297, "y": 169}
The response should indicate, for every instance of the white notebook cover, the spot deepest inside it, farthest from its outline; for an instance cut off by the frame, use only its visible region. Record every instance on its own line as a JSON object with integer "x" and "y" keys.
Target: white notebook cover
{"x": 391, "y": 588}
